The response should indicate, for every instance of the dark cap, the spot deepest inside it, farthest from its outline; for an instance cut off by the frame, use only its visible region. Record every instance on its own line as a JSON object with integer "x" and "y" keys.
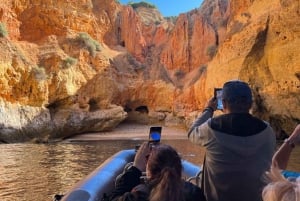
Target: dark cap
{"x": 237, "y": 90}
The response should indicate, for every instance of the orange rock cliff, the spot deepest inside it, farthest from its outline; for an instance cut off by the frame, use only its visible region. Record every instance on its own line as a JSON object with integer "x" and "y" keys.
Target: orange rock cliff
{"x": 70, "y": 67}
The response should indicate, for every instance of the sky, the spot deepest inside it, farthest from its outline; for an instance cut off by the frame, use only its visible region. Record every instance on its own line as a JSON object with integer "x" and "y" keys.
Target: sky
{"x": 171, "y": 7}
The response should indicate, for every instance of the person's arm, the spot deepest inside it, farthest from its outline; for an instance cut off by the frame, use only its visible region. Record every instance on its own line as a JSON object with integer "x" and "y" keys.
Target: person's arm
{"x": 128, "y": 180}
{"x": 131, "y": 177}
{"x": 282, "y": 155}
{"x": 206, "y": 114}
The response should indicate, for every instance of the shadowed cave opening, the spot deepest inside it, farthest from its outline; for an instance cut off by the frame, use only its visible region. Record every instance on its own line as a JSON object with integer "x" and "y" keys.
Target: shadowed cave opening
{"x": 142, "y": 109}
{"x": 137, "y": 114}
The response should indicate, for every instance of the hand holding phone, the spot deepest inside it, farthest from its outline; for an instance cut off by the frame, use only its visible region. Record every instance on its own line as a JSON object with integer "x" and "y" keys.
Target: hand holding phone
{"x": 218, "y": 95}
{"x": 154, "y": 137}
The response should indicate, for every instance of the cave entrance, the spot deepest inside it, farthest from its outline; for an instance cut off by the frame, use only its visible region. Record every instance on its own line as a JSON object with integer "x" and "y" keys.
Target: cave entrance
{"x": 137, "y": 114}
{"x": 142, "y": 109}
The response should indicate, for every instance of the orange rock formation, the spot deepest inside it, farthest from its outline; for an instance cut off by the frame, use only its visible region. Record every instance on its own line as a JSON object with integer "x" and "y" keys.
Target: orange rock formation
{"x": 71, "y": 67}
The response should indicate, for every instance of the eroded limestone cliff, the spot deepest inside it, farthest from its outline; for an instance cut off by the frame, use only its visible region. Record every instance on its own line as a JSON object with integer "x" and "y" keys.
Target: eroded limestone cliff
{"x": 71, "y": 67}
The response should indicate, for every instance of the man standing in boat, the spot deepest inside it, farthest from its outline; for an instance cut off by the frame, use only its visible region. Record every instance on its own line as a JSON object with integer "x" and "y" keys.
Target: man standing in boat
{"x": 239, "y": 146}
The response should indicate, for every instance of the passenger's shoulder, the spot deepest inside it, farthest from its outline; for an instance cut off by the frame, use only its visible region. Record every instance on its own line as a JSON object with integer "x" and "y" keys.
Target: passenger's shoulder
{"x": 191, "y": 187}
{"x": 193, "y": 192}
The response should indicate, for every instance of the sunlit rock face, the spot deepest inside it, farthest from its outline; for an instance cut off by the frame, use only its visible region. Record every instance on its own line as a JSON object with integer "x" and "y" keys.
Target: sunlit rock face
{"x": 71, "y": 67}
{"x": 261, "y": 48}
{"x": 37, "y": 124}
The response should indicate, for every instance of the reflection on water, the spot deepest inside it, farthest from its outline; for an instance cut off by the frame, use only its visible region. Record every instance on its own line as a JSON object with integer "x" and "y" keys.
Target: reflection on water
{"x": 39, "y": 171}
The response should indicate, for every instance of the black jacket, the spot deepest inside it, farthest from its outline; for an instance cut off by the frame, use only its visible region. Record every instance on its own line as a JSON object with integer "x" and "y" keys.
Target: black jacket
{"x": 129, "y": 188}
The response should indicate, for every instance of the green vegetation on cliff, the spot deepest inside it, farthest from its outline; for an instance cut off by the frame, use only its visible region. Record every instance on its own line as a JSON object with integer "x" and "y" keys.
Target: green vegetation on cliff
{"x": 141, "y": 4}
{"x": 91, "y": 44}
{"x": 3, "y": 30}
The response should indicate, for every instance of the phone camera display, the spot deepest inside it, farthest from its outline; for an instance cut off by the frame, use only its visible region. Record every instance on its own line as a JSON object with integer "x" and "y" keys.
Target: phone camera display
{"x": 155, "y": 136}
{"x": 218, "y": 95}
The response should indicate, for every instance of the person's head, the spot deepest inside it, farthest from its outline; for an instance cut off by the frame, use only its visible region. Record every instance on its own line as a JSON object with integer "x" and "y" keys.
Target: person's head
{"x": 280, "y": 188}
{"x": 164, "y": 170}
{"x": 236, "y": 97}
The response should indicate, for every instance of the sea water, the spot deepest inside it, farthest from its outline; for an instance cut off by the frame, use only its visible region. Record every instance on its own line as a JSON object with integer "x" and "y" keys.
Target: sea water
{"x": 39, "y": 171}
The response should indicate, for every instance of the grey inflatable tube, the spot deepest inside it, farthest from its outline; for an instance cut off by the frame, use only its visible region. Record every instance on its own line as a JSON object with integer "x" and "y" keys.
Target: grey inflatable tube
{"x": 101, "y": 180}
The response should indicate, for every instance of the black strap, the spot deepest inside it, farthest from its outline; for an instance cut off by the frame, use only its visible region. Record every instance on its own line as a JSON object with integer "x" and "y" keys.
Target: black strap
{"x": 203, "y": 198}
{"x": 105, "y": 197}
{"x": 57, "y": 197}
{"x": 202, "y": 175}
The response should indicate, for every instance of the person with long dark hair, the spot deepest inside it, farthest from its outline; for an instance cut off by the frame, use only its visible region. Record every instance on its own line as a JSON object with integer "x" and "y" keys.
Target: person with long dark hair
{"x": 163, "y": 181}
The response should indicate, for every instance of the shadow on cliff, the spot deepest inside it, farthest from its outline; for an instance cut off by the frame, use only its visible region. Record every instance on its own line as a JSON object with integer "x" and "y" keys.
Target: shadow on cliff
{"x": 256, "y": 71}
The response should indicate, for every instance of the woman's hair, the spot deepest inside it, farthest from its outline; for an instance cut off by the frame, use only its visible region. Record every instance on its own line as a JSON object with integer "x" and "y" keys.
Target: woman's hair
{"x": 280, "y": 188}
{"x": 164, "y": 165}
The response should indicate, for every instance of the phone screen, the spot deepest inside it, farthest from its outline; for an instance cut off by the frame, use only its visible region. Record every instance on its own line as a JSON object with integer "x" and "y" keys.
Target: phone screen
{"x": 218, "y": 95}
{"x": 155, "y": 134}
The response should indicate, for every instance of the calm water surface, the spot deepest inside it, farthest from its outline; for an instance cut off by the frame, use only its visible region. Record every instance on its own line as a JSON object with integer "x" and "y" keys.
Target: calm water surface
{"x": 39, "y": 171}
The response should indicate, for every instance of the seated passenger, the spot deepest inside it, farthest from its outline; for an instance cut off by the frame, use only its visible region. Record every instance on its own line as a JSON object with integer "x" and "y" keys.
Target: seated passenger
{"x": 163, "y": 177}
{"x": 280, "y": 188}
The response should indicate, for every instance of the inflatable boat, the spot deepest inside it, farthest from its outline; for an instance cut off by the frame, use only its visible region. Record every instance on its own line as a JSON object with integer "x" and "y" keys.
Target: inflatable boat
{"x": 101, "y": 181}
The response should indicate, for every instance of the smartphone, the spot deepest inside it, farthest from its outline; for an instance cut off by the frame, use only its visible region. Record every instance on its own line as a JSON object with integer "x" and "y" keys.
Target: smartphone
{"x": 155, "y": 134}
{"x": 218, "y": 95}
